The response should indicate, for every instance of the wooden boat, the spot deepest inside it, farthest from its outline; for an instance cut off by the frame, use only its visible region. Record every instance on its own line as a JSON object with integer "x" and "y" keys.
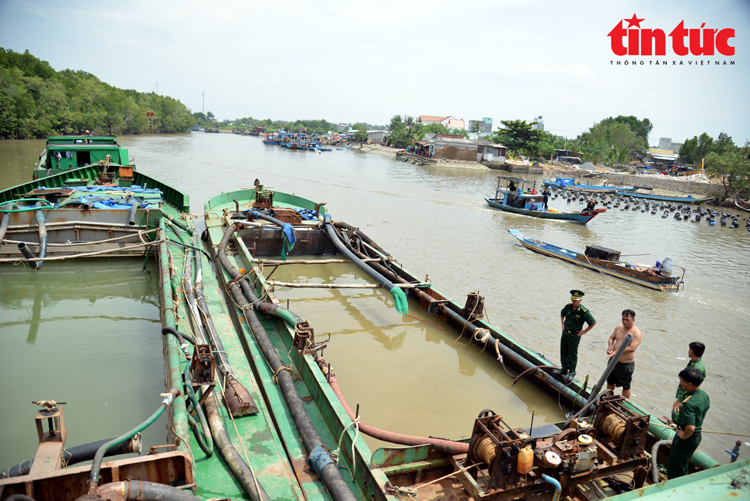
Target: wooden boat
{"x": 742, "y": 204}
{"x": 682, "y": 200}
{"x": 570, "y": 184}
{"x": 87, "y": 213}
{"x": 250, "y": 232}
{"x": 608, "y": 261}
{"x": 518, "y": 201}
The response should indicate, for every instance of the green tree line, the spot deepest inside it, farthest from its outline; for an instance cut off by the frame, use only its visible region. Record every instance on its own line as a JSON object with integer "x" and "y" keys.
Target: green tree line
{"x": 614, "y": 140}
{"x": 36, "y": 101}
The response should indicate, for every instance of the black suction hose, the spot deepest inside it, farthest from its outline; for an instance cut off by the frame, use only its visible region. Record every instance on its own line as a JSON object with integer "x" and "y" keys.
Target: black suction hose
{"x": 79, "y": 454}
{"x": 220, "y": 437}
{"x": 241, "y": 470}
{"x": 318, "y": 457}
{"x": 399, "y": 297}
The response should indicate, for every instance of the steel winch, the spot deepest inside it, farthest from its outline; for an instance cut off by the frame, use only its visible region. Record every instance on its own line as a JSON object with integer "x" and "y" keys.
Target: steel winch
{"x": 612, "y": 442}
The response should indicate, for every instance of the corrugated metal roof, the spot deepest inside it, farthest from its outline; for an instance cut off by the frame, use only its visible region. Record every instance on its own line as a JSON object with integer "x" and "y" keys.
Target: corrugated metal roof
{"x": 430, "y": 118}
{"x": 455, "y": 123}
{"x": 665, "y": 157}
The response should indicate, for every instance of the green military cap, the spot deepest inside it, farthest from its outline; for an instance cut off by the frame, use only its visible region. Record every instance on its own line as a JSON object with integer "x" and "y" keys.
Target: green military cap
{"x": 576, "y": 294}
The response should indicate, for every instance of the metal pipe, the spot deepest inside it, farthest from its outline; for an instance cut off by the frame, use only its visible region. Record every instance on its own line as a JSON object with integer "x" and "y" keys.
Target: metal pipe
{"x": 610, "y": 367}
{"x": 42, "y": 236}
{"x": 654, "y": 462}
{"x": 5, "y": 220}
{"x": 558, "y": 487}
{"x": 134, "y": 206}
{"x": 27, "y": 254}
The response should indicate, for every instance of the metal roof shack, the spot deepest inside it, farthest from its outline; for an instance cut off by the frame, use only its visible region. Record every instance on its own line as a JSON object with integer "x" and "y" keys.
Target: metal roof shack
{"x": 468, "y": 150}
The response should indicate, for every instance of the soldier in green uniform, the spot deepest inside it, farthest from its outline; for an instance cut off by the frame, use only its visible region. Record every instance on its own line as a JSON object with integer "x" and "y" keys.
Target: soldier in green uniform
{"x": 572, "y": 318}
{"x": 689, "y": 423}
{"x": 695, "y": 352}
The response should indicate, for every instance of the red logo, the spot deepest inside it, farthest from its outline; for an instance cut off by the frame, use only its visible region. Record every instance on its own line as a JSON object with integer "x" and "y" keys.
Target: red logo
{"x": 636, "y": 41}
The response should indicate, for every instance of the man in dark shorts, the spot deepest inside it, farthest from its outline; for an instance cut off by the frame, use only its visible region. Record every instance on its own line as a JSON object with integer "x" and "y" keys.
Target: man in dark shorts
{"x": 622, "y": 375}
{"x": 572, "y": 318}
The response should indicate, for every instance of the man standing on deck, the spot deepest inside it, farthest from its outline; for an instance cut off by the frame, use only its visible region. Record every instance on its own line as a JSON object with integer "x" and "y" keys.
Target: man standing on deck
{"x": 572, "y": 318}
{"x": 689, "y": 423}
{"x": 695, "y": 352}
{"x": 622, "y": 374}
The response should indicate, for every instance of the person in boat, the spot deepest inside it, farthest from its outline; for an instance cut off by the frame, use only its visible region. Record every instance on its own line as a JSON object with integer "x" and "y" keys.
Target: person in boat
{"x": 695, "y": 354}
{"x": 622, "y": 374}
{"x": 572, "y": 318}
{"x": 591, "y": 205}
{"x": 546, "y": 193}
{"x": 689, "y": 424}
{"x": 511, "y": 186}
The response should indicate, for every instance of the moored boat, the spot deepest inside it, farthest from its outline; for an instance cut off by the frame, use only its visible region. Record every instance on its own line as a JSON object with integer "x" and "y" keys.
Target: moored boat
{"x": 514, "y": 199}
{"x": 254, "y": 231}
{"x": 65, "y": 153}
{"x": 684, "y": 200}
{"x": 570, "y": 184}
{"x": 608, "y": 261}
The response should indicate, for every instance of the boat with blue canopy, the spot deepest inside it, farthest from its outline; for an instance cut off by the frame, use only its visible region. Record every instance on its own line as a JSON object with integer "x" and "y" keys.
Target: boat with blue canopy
{"x": 513, "y": 198}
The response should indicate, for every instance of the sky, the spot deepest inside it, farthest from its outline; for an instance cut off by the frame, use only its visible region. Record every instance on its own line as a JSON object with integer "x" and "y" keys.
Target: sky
{"x": 346, "y": 61}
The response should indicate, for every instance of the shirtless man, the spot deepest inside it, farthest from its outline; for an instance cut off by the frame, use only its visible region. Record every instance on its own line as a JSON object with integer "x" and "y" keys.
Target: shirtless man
{"x": 622, "y": 375}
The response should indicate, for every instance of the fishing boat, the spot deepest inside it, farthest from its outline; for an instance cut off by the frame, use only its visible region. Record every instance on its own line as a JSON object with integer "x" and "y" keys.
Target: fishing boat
{"x": 742, "y": 204}
{"x": 570, "y": 184}
{"x": 260, "y": 233}
{"x": 213, "y": 402}
{"x": 514, "y": 199}
{"x": 270, "y": 138}
{"x": 682, "y": 200}
{"x": 658, "y": 277}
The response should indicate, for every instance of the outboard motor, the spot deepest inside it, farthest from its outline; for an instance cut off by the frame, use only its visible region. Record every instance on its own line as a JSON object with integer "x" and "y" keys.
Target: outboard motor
{"x": 666, "y": 267}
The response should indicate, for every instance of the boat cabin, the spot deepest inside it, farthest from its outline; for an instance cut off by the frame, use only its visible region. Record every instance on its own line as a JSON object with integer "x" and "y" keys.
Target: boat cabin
{"x": 603, "y": 253}
{"x": 517, "y": 194}
{"x": 64, "y": 153}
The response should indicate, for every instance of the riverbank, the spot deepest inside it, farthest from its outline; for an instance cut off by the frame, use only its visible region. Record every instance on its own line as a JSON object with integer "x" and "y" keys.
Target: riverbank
{"x": 387, "y": 151}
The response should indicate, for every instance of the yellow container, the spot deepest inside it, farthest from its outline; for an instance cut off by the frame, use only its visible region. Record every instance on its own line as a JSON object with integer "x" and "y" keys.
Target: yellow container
{"x": 525, "y": 460}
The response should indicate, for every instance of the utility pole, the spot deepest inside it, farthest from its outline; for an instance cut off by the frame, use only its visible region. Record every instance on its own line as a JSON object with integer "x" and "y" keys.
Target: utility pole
{"x": 157, "y": 87}
{"x": 204, "y": 102}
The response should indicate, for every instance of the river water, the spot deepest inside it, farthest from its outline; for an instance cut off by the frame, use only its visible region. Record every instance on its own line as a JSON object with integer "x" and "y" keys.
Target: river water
{"x": 406, "y": 375}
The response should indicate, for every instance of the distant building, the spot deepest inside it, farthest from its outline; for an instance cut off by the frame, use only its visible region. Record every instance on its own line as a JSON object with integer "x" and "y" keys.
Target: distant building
{"x": 666, "y": 144}
{"x": 377, "y": 136}
{"x": 449, "y": 122}
{"x": 485, "y": 125}
{"x": 457, "y": 148}
{"x": 661, "y": 158}
{"x": 537, "y": 123}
